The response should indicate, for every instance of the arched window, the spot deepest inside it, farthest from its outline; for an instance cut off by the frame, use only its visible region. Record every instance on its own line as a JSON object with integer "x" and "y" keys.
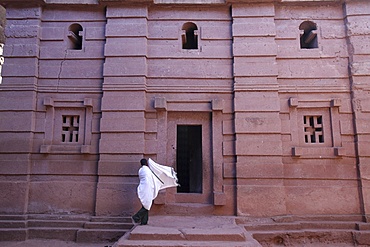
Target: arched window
{"x": 308, "y": 35}
{"x": 189, "y": 36}
{"x": 75, "y": 37}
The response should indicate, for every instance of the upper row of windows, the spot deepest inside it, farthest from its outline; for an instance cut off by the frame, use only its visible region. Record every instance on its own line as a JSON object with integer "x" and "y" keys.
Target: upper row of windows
{"x": 189, "y": 36}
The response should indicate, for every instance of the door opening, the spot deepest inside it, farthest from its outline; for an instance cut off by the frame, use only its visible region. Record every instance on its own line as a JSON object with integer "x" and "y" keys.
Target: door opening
{"x": 189, "y": 158}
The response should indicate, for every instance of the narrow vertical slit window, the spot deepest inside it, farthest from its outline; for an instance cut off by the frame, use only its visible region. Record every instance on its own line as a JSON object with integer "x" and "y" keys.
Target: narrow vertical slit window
{"x": 189, "y": 158}
{"x": 308, "y": 36}
{"x": 75, "y": 37}
{"x": 189, "y": 36}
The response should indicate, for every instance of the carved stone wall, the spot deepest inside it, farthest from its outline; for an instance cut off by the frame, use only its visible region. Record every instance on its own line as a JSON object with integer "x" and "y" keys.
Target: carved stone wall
{"x": 279, "y": 89}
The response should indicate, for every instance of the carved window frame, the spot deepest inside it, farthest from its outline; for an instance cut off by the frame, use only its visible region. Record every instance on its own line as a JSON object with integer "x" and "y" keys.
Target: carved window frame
{"x": 75, "y": 37}
{"x": 330, "y": 111}
{"x": 183, "y": 34}
{"x": 55, "y": 110}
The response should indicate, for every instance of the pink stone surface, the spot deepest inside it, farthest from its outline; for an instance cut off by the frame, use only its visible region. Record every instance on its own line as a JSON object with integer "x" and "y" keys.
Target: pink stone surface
{"x": 248, "y": 83}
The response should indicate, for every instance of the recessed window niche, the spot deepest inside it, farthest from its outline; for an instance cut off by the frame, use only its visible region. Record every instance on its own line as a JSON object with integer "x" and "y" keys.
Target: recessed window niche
{"x": 75, "y": 37}
{"x": 189, "y": 36}
{"x": 308, "y": 36}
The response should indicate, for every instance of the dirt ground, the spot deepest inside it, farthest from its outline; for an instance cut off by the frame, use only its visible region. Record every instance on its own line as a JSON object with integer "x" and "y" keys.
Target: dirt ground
{"x": 50, "y": 243}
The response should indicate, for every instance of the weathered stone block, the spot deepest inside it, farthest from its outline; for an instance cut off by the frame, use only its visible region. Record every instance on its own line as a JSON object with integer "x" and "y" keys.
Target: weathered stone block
{"x": 113, "y": 101}
{"x": 190, "y": 13}
{"x": 20, "y": 121}
{"x": 116, "y": 199}
{"x": 358, "y": 25}
{"x": 126, "y": 30}
{"x": 263, "y": 67}
{"x": 123, "y": 121}
{"x": 261, "y": 200}
{"x": 323, "y": 68}
{"x": 253, "y": 10}
{"x": 14, "y": 195}
{"x": 61, "y": 197}
{"x": 318, "y": 199}
{"x": 126, "y": 11}
{"x": 257, "y": 123}
{"x": 163, "y": 30}
{"x": 110, "y": 168}
{"x": 119, "y": 143}
{"x": 197, "y": 69}
{"x": 263, "y": 144}
{"x": 89, "y": 13}
{"x": 15, "y": 142}
{"x": 254, "y": 171}
{"x": 53, "y": 33}
{"x": 254, "y": 48}
{"x": 134, "y": 66}
{"x": 20, "y": 67}
{"x": 120, "y": 47}
{"x": 257, "y": 101}
{"x": 252, "y": 28}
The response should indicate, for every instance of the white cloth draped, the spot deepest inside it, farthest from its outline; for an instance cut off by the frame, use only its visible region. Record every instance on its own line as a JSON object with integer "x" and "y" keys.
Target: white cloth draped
{"x": 153, "y": 178}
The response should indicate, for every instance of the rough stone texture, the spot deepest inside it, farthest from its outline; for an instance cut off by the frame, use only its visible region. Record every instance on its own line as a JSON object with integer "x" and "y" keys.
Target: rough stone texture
{"x": 248, "y": 83}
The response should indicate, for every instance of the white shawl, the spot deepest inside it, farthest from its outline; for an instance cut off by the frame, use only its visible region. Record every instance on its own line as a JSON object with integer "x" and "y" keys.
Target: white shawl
{"x": 153, "y": 178}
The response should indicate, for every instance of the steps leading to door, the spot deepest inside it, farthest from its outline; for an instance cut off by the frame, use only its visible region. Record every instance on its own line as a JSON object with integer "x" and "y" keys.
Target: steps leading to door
{"x": 188, "y": 231}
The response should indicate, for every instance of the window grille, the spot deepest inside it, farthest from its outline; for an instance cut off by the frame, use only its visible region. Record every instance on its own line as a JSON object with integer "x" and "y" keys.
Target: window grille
{"x": 70, "y": 128}
{"x": 313, "y": 129}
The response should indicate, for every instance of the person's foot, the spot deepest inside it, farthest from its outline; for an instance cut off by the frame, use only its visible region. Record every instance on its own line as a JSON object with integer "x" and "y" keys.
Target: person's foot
{"x": 134, "y": 221}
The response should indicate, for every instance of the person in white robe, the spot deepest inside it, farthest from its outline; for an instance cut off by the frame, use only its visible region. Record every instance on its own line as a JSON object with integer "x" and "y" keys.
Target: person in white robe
{"x": 153, "y": 177}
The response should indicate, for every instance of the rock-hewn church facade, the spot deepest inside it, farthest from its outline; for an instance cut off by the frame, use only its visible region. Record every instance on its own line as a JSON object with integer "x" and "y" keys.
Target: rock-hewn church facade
{"x": 262, "y": 107}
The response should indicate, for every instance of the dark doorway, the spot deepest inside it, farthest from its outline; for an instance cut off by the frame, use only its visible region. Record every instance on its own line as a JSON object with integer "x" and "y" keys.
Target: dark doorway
{"x": 189, "y": 158}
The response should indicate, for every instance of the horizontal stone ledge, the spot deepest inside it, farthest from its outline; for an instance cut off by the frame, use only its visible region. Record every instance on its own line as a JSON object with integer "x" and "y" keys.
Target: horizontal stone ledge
{"x": 177, "y": 2}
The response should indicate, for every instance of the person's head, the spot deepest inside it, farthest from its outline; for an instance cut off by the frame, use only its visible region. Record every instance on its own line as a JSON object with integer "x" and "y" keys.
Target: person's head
{"x": 143, "y": 162}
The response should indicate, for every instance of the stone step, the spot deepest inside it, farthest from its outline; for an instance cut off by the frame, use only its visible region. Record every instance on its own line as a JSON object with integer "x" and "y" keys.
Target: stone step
{"x": 79, "y": 228}
{"x": 55, "y": 223}
{"x": 284, "y": 237}
{"x": 12, "y": 224}
{"x": 181, "y": 243}
{"x": 191, "y": 234}
{"x": 13, "y": 234}
{"x": 165, "y": 231}
{"x": 99, "y": 235}
{"x": 65, "y": 234}
{"x": 363, "y": 226}
{"x": 13, "y": 217}
{"x": 302, "y": 225}
{"x": 108, "y": 225}
{"x": 111, "y": 219}
{"x": 362, "y": 237}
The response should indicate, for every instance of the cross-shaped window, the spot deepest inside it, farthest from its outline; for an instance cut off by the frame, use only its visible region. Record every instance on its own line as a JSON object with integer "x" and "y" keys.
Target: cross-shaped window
{"x": 313, "y": 129}
{"x": 70, "y": 128}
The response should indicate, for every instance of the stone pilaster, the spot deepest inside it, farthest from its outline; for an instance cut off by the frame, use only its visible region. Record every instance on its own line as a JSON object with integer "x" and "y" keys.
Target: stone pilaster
{"x": 257, "y": 123}
{"x": 358, "y": 33}
{"x": 18, "y": 105}
{"x": 122, "y": 126}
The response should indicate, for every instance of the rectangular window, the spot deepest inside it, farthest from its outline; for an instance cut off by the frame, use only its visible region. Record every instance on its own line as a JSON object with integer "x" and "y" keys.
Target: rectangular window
{"x": 189, "y": 158}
